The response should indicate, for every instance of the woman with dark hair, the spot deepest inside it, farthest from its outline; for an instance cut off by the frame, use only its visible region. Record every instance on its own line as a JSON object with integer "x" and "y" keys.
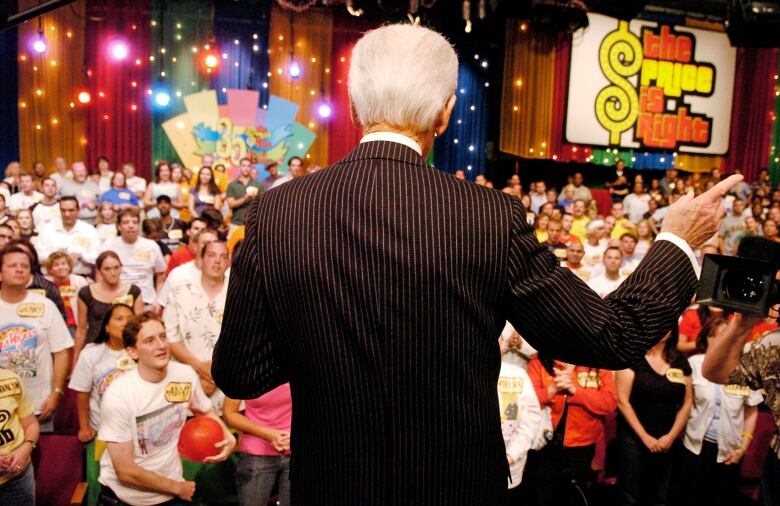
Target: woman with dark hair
{"x": 97, "y": 299}
{"x": 163, "y": 184}
{"x": 98, "y": 365}
{"x": 119, "y": 195}
{"x": 654, "y": 400}
{"x": 205, "y": 194}
{"x": 718, "y": 433}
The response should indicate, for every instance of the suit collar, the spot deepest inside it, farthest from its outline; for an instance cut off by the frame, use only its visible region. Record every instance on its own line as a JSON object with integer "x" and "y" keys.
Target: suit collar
{"x": 387, "y": 150}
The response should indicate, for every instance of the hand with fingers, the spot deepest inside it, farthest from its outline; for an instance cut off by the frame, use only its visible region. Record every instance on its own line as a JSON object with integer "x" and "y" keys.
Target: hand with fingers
{"x": 696, "y": 219}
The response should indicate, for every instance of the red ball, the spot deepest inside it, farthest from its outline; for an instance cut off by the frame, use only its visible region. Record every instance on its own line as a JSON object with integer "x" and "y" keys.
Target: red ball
{"x": 198, "y": 437}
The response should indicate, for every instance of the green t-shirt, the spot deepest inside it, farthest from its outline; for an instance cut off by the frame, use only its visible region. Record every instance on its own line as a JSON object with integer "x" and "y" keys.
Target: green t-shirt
{"x": 237, "y": 190}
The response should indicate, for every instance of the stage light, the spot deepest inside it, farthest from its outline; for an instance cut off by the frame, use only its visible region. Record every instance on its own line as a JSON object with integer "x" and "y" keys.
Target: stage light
{"x": 161, "y": 98}
{"x": 84, "y": 97}
{"x": 39, "y": 44}
{"x": 294, "y": 70}
{"x": 324, "y": 110}
{"x": 119, "y": 50}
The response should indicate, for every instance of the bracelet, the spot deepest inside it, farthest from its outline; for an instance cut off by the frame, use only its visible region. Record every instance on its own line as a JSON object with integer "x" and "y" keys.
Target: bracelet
{"x": 748, "y": 435}
{"x": 32, "y": 443}
{"x": 58, "y": 390}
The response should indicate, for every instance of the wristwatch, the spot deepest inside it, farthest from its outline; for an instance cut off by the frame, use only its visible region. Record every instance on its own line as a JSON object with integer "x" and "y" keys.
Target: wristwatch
{"x": 58, "y": 390}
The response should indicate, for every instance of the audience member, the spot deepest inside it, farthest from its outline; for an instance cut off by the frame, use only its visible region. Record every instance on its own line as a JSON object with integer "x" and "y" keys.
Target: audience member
{"x": 95, "y": 300}
{"x": 59, "y": 266}
{"x": 607, "y": 282}
{"x": 48, "y": 209}
{"x": 142, "y": 415}
{"x": 295, "y": 169}
{"x": 635, "y": 203}
{"x": 61, "y": 172}
{"x": 574, "y": 255}
{"x": 104, "y": 174}
{"x": 105, "y": 224}
{"x": 119, "y": 194}
{"x": 188, "y": 271}
{"x": 77, "y": 238}
{"x": 26, "y": 226}
{"x": 579, "y": 220}
{"x": 732, "y": 228}
{"x": 35, "y": 339}
{"x": 163, "y": 184}
{"x": 595, "y": 243}
{"x": 173, "y": 229}
{"x": 618, "y": 188}
{"x": 241, "y": 194}
{"x": 86, "y": 192}
{"x": 654, "y": 401}
{"x": 26, "y": 197}
{"x": 205, "y": 194}
{"x": 98, "y": 365}
{"x": 193, "y": 316}
{"x": 134, "y": 183}
{"x": 184, "y": 255}
{"x": 21, "y": 432}
{"x": 142, "y": 260}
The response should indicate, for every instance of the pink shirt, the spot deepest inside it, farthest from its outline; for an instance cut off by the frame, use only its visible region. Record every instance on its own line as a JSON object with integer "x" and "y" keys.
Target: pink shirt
{"x": 273, "y": 410}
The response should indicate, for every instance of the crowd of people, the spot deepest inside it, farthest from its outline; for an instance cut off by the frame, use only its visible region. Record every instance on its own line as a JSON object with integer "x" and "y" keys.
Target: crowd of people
{"x": 114, "y": 287}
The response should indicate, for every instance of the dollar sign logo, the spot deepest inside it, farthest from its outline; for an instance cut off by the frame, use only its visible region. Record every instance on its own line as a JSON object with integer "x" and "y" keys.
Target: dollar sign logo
{"x": 617, "y": 105}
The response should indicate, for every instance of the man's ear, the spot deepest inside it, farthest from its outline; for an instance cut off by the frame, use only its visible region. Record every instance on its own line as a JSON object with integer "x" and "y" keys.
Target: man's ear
{"x": 444, "y": 116}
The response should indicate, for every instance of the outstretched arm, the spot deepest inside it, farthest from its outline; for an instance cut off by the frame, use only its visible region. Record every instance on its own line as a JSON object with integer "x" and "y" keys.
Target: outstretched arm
{"x": 246, "y": 360}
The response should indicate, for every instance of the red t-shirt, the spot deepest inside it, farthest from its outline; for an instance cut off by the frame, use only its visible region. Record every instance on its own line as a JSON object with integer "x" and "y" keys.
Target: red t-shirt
{"x": 179, "y": 257}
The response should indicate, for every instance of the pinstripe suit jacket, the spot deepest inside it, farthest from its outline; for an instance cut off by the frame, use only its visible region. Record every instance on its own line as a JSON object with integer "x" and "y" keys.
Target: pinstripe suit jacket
{"x": 378, "y": 288}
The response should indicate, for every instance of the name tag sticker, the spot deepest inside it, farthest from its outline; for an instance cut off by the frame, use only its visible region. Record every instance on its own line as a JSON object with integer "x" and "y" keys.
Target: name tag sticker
{"x": 9, "y": 387}
{"x": 124, "y": 196}
{"x": 67, "y": 291}
{"x": 175, "y": 234}
{"x": 589, "y": 379}
{"x": 510, "y": 385}
{"x": 127, "y": 300}
{"x": 737, "y": 390}
{"x": 87, "y": 194}
{"x": 178, "y": 392}
{"x": 208, "y": 199}
{"x": 80, "y": 241}
{"x": 142, "y": 256}
{"x": 30, "y": 310}
{"x": 675, "y": 375}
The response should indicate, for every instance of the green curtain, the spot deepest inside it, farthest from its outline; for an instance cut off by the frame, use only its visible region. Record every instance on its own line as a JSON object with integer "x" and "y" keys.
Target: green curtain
{"x": 177, "y": 27}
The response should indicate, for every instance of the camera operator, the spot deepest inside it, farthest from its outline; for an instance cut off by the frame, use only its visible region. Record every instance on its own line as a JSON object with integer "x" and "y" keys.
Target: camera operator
{"x": 757, "y": 368}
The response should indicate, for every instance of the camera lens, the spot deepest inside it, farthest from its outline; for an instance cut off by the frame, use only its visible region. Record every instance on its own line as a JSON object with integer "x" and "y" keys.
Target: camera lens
{"x": 744, "y": 286}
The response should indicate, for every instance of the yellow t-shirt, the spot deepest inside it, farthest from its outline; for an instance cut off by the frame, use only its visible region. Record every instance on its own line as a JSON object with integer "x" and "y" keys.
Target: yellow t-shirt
{"x": 13, "y": 407}
{"x": 579, "y": 228}
{"x": 621, "y": 227}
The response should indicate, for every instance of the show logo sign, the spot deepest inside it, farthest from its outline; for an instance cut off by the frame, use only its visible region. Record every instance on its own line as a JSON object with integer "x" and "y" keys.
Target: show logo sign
{"x": 649, "y": 86}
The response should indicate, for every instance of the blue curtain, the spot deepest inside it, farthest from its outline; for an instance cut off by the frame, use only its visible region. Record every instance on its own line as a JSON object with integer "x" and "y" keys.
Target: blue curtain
{"x": 247, "y": 23}
{"x": 9, "y": 99}
{"x": 464, "y": 144}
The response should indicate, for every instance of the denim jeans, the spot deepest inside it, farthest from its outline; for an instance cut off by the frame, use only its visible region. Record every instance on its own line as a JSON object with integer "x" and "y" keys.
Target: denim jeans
{"x": 20, "y": 490}
{"x": 256, "y": 476}
{"x": 643, "y": 477}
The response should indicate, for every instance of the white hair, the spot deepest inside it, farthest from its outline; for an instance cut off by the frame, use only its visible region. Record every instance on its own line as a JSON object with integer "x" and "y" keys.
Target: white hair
{"x": 402, "y": 75}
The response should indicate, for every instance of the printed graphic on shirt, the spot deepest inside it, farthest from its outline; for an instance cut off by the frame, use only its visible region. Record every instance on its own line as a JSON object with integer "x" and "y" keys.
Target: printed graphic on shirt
{"x": 17, "y": 349}
{"x": 737, "y": 390}
{"x": 6, "y": 434}
{"x": 104, "y": 378}
{"x": 160, "y": 428}
{"x": 508, "y": 390}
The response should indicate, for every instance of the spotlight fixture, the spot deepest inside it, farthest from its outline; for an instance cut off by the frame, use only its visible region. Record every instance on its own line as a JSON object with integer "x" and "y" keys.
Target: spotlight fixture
{"x": 324, "y": 110}
{"x": 161, "y": 97}
{"x": 294, "y": 70}
{"x": 84, "y": 97}
{"x": 39, "y": 44}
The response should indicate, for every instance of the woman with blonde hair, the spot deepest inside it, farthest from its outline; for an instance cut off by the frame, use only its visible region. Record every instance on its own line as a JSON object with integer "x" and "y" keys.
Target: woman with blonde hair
{"x": 59, "y": 269}
{"x": 645, "y": 238}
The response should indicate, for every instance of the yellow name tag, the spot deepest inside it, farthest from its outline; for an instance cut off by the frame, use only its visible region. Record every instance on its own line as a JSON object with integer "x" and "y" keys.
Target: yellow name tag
{"x": 37, "y": 291}
{"x": 30, "y": 309}
{"x": 9, "y": 387}
{"x": 675, "y": 375}
{"x": 737, "y": 390}
{"x": 127, "y": 300}
{"x": 124, "y": 196}
{"x": 142, "y": 256}
{"x": 67, "y": 291}
{"x": 589, "y": 379}
{"x": 510, "y": 385}
{"x": 125, "y": 363}
{"x": 208, "y": 199}
{"x": 178, "y": 392}
{"x": 175, "y": 235}
{"x": 87, "y": 194}
{"x": 81, "y": 241}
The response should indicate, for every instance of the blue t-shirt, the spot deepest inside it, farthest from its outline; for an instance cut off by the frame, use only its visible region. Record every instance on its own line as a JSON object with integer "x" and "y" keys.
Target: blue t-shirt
{"x": 119, "y": 197}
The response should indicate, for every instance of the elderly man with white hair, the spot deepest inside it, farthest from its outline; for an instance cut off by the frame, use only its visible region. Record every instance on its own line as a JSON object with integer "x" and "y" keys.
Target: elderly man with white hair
{"x": 377, "y": 289}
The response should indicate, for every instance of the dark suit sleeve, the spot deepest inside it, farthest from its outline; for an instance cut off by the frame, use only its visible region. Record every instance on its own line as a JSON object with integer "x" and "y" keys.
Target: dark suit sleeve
{"x": 562, "y": 317}
{"x": 246, "y": 363}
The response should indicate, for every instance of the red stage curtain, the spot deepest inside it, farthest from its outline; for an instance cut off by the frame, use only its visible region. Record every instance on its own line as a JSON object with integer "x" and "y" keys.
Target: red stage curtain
{"x": 343, "y": 134}
{"x": 119, "y": 121}
{"x": 751, "y": 113}
{"x": 558, "y": 146}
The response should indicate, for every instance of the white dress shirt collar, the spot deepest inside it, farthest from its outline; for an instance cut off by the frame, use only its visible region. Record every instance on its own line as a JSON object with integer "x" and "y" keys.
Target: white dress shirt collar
{"x": 392, "y": 137}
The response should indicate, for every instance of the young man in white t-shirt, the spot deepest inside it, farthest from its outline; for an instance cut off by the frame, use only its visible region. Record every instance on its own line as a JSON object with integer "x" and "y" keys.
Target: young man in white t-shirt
{"x": 26, "y": 197}
{"x": 610, "y": 279}
{"x": 143, "y": 412}
{"x": 34, "y": 339}
{"x": 48, "y": 209}
{"x": 142, "y": 262}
